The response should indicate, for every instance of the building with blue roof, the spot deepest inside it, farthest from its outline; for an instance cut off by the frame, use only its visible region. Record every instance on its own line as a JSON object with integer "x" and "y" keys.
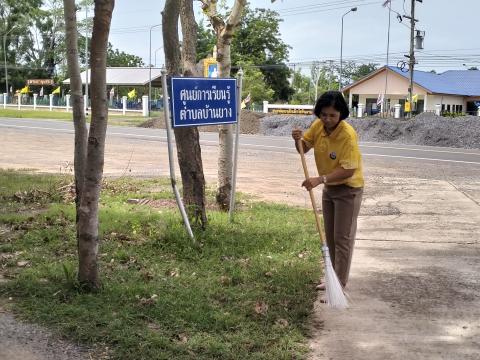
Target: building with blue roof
{"x": 451, "y": 91}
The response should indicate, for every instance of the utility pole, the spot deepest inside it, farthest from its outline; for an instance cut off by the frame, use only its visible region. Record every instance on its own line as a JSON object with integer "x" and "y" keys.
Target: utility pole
{"x": 86, "y": 57}
{"x": 412, "y": 57}
{"x": 341, "y": 49}
{"x": 412, "y": 53}
{"x": 150, "y": 68}
{"x": 387, "y": 69}
{"x": 5, "y": 60}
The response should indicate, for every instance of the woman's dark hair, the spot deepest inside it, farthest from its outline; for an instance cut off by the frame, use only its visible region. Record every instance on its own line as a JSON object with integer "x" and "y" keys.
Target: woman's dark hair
{"x": 335, "y": 99}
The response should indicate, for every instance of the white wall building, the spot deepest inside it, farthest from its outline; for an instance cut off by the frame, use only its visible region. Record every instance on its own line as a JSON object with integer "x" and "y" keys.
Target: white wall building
{"x": 454, "y": 91}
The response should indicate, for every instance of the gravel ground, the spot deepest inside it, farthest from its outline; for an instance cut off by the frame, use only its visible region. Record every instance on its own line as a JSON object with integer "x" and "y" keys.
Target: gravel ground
{"x": 22, "y": 341}
{"x": 424, "y": 129}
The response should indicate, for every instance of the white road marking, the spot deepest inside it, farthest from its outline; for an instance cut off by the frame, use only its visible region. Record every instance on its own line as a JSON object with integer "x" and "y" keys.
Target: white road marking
{"x": 453, "y": 151}
{"x": 277, "y": 147}
{"x": 419, "y": 158}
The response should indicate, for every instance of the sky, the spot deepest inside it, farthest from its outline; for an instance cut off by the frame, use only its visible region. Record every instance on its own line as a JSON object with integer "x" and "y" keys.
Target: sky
{"x": 313, "y": 28}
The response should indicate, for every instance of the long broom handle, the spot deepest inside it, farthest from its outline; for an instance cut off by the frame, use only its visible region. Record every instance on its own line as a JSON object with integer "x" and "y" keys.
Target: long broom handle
{"x": 312, "y": 196}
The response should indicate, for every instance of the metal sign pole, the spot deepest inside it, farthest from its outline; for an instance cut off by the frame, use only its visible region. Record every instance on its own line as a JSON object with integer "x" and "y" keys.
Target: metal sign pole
{"x": 237, "y": 137}
{"x": 166, "y": 110}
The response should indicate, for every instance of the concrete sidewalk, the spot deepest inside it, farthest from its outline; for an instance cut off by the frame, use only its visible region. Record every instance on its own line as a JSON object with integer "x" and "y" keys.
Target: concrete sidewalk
{"x": 414, "y": 285}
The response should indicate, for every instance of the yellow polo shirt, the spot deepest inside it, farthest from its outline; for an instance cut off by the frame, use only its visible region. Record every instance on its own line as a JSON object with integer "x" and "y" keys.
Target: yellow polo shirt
{"x": 339, "y": 149}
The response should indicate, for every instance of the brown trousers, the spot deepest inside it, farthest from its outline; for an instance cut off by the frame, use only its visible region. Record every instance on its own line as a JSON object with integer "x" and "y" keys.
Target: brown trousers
{"x": 341, "y": 205}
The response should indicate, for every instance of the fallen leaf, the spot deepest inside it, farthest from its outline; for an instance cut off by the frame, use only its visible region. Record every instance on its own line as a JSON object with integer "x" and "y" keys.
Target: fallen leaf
{"x": 225, "y": 280}
{"x": 182, "y": 337}
{"x": 261, "y": 308}
{"x": 147, "y": 275}
{"x": 173, "y": 273}
{"x": 150, "y": 301}
{"x": 281, "y": 323}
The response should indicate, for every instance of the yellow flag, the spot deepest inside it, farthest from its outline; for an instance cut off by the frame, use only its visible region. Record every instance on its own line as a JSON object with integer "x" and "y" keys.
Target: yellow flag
{"x": 245, "y": 101}
{"x": 407, "y": 106}
{"x": 56, "y": 91}
{"x": 415, "y": 98}
{"x": 25, "y": 90}
{"x": 132, "y": 94}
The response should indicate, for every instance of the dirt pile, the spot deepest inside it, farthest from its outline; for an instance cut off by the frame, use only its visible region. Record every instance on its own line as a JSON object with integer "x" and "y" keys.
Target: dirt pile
{"x": 424, "y": 129}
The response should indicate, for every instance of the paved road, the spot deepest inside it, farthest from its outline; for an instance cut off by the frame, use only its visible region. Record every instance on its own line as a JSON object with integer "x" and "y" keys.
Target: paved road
{"x": 266, "y": 143}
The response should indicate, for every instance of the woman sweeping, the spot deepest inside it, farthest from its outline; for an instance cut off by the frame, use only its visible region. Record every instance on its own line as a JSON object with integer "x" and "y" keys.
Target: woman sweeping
{"x": 339, "y": 165}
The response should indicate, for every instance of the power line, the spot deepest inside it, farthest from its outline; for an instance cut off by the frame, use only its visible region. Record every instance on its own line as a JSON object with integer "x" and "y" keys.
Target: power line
{"x": 303, "y": 12}
{"x": 316, "y": 5}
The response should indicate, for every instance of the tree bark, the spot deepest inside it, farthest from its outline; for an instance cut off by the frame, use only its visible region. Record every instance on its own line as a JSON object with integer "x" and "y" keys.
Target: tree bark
{"x": 80, "y": 126}
{"x": 187, "y": 139}
{"x": 88, "y": 213}
{"x": 224, "y": 31}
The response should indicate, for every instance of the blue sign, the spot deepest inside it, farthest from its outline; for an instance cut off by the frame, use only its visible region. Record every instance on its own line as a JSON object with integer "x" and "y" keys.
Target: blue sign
{"x": 204, "y": 101}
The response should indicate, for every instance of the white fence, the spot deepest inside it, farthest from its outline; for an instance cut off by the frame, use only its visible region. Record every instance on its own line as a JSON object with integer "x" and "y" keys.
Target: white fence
{"x": 22, "y": 102}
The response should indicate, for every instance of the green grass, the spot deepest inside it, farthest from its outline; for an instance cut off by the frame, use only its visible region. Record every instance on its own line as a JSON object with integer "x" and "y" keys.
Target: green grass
{"x": 120, "y": 120}
{"x": 244, "y": 292}
{"x": 35, "y": 114}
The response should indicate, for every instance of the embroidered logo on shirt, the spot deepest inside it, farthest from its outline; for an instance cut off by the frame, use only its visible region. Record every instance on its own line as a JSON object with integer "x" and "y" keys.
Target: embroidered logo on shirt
{"x": 333, "y": 155}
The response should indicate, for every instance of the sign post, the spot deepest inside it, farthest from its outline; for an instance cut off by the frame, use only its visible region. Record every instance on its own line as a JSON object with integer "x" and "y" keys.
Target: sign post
{"x": 170, "y": 156}
{"x": 197, "y": 102}
{"x": 235, "y": 154}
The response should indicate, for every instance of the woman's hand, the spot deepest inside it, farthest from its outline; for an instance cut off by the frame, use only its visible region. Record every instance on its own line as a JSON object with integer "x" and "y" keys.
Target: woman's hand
{"x": 312, "y": 182}
{"x": 297, "y": 134}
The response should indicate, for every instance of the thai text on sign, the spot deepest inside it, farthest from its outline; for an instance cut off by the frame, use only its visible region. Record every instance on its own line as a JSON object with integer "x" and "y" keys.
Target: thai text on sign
{"x": 40, "y": 82}
{"x": 202, "y": 101}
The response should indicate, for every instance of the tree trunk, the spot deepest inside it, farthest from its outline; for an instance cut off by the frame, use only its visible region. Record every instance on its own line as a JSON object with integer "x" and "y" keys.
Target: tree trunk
{"x": 88, "y": 214}
{"x": 171, "y": 44}
{"x": 225, "y": 133}
{"x": 187, "y": 139}
{"x": 80, "y": 150}
{"x": 225, "y": 158}
{"x": 224, "y": 32}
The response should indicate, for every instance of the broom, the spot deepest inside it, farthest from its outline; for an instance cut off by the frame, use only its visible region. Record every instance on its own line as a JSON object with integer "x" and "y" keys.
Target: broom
{"x": 334, "y": 291}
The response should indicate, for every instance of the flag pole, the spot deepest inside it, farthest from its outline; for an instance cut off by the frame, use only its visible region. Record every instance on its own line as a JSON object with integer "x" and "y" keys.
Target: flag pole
{"x": 385, "y": 101}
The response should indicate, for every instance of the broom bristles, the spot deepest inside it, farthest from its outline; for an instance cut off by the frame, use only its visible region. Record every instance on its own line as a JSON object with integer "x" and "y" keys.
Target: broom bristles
{"x": 334, "y": 291}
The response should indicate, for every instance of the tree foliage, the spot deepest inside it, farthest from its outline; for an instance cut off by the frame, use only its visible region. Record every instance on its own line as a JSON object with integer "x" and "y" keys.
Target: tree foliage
{"x": 353, "y": 71}
{"x": 205, "y": 41}
{"x": 35, "y": 42}
{"x": 254, "y": 84}
{"x": 302, "y": 86}
{"x": 32, "y": 30}
{"x": 115, "y": 57}
{"x": 257, "y": 42}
